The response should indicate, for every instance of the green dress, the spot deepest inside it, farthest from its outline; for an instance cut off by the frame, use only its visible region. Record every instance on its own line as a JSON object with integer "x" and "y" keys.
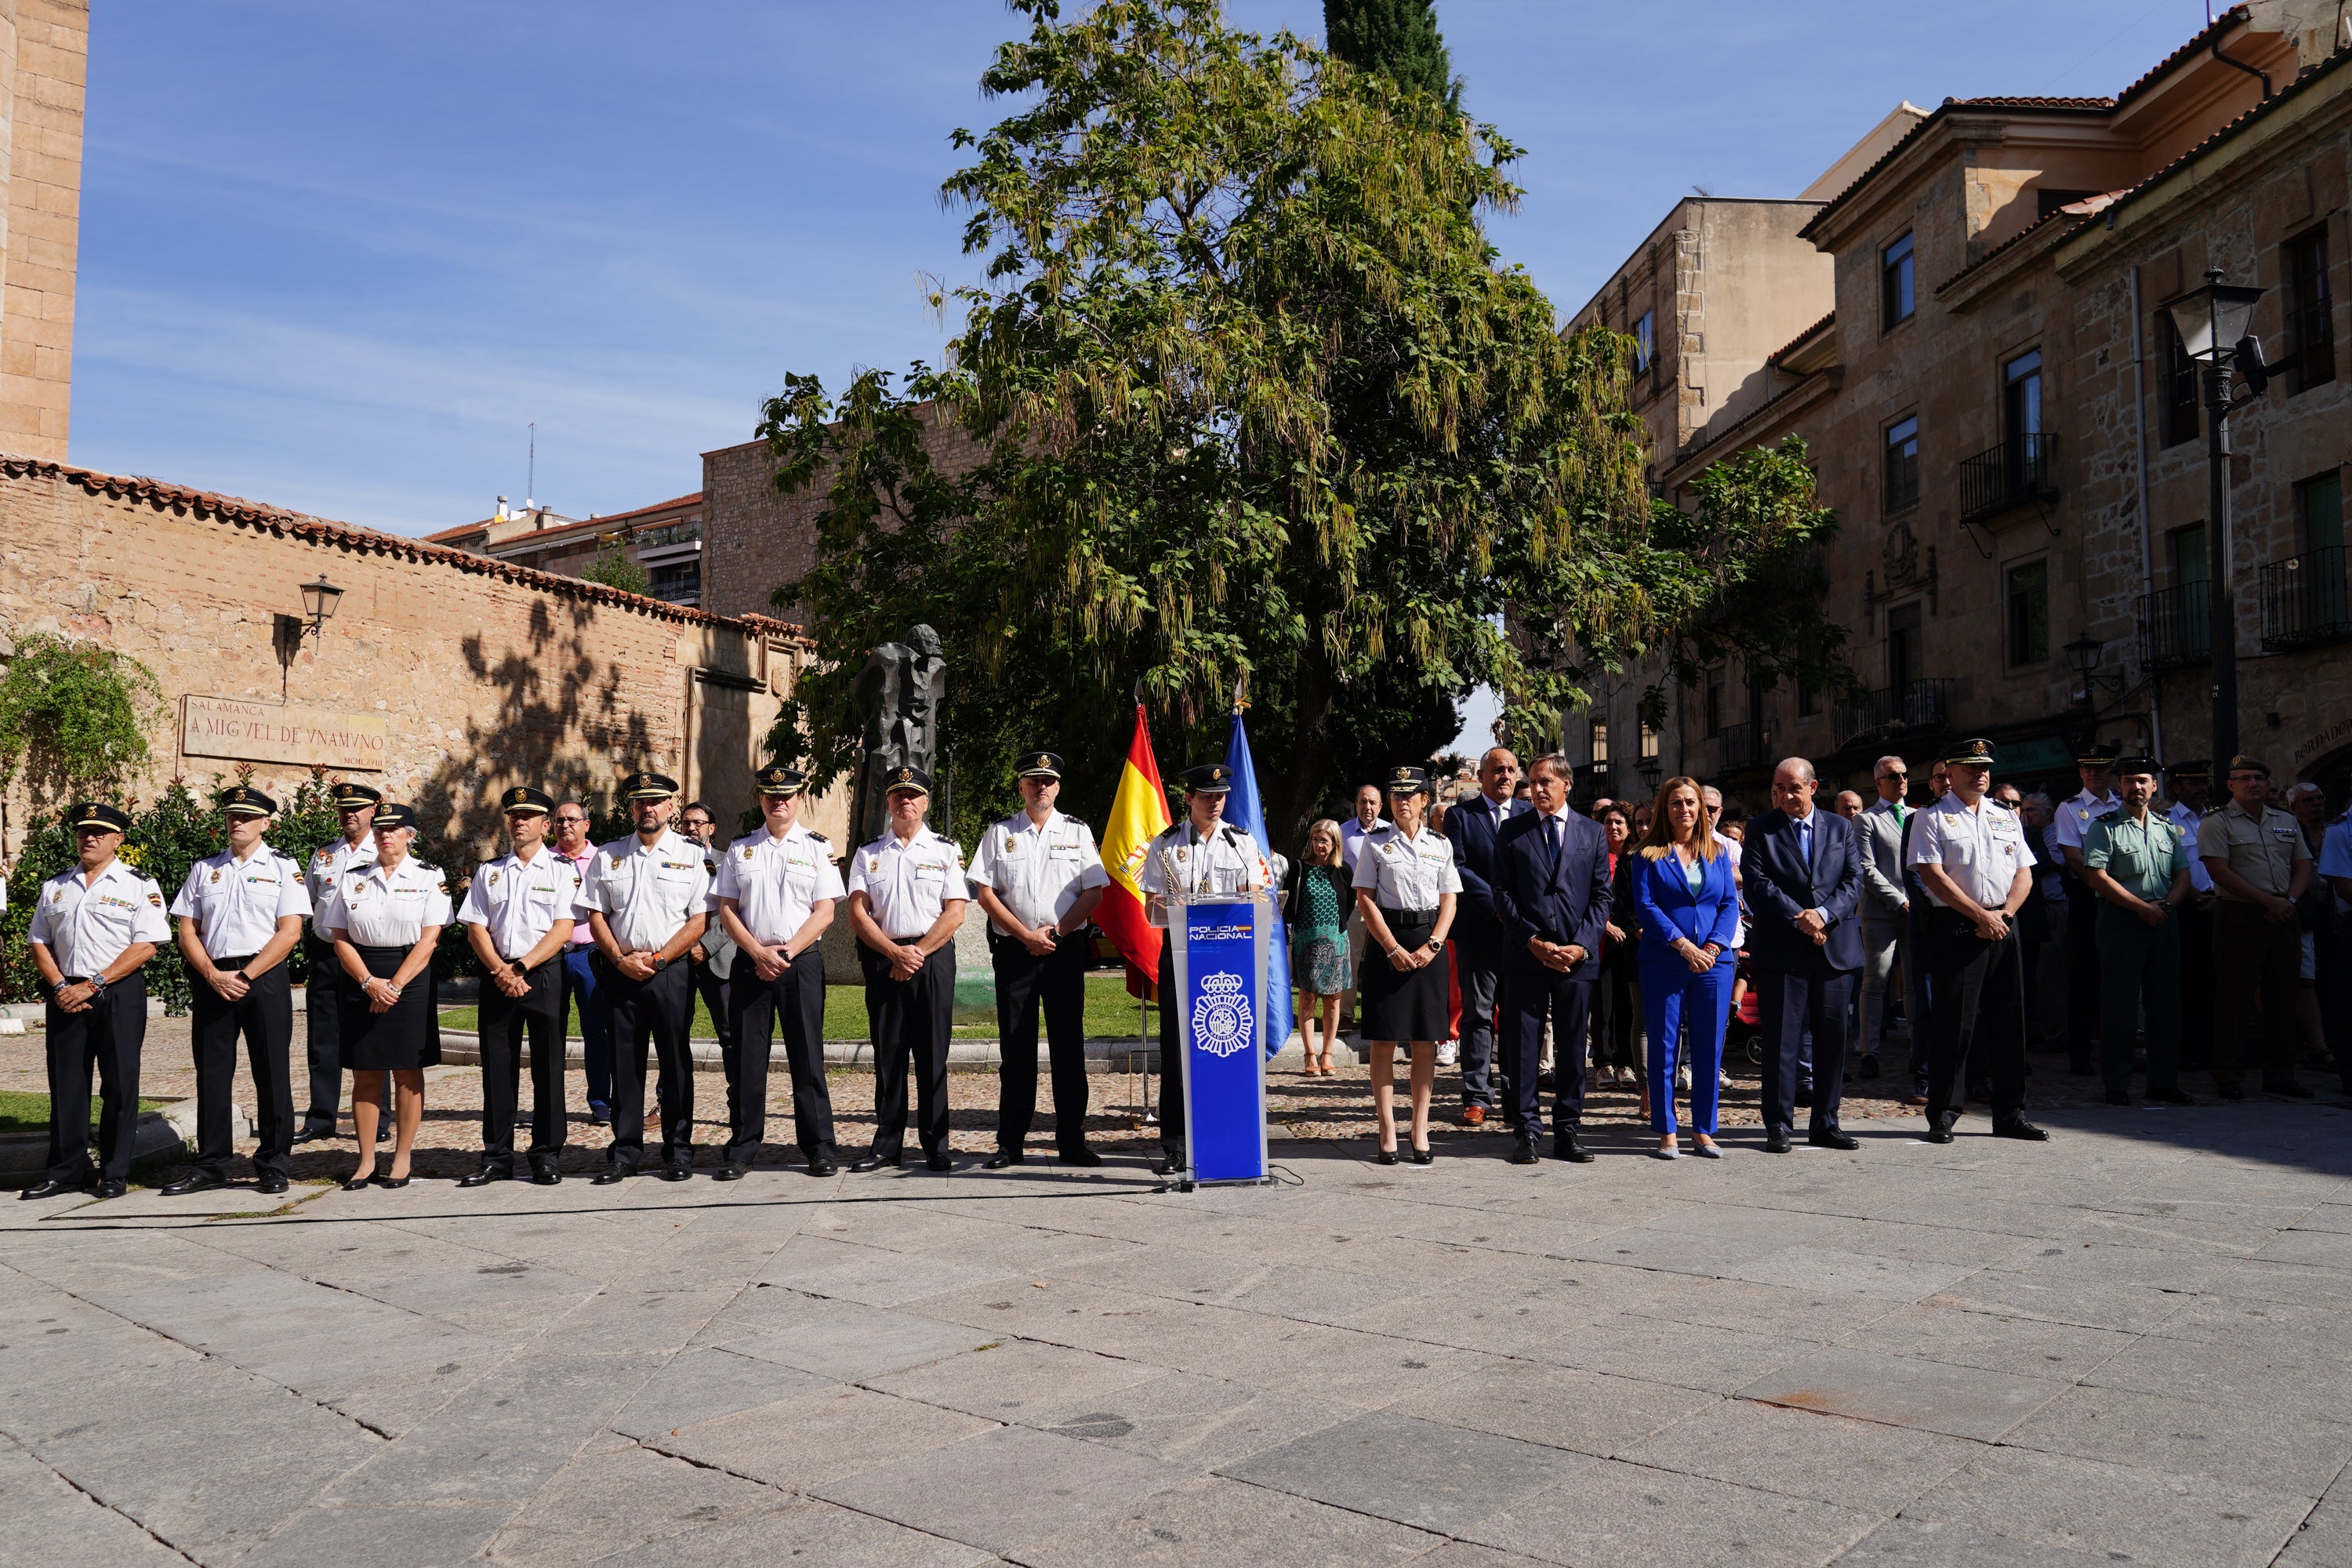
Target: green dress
{"x": 1320, "y": 900}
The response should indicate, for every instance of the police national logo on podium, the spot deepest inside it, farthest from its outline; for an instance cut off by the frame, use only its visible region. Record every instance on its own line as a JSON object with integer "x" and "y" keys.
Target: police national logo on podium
{"x": 1222, "y": 1024}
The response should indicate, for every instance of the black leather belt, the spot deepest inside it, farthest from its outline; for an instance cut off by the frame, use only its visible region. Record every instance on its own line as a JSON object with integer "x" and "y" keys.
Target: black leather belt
{"x": 235, "y": 963}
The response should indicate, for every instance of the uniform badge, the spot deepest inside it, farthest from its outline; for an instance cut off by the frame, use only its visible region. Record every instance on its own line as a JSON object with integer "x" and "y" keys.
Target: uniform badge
{"x": 155, "y": 899}
{"x": 873, "y": 864}
{"x": 747, "y": 852}
{"x": 1180, "y": 852}
{"x": 1008, "y": 844}
{"x": 216, "y": 873}
{"x": 494, "y": 879}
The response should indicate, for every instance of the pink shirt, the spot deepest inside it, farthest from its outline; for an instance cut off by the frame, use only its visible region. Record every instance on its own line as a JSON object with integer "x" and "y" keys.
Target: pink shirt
{"x": 581, "y": 935}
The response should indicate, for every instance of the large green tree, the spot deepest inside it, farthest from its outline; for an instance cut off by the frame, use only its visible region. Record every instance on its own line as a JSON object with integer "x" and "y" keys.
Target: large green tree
{"x": 1398, "y": 37}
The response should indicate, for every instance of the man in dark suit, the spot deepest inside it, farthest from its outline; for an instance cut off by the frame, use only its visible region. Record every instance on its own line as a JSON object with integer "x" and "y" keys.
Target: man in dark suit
{"x": 1802, "y": 875}
{"x": 1551, "y": 891}
{"x": 1479, "y": 941}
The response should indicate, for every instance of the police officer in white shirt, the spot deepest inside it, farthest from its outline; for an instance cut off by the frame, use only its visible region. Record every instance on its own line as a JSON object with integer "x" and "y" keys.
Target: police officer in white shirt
{"x": 239, "y": 914}
{"x": 774, "y": 896}
{"x": 2068, "y": 828}
{"x": 647, "y": 898}
{"x": 93, "y": 929}
{"x": 1202, "y": 854}
{"x": 355, "y": 805}
{"x": 518, "y": 919}
{"x": 1038, "y": 876}
{"x": 1406, "y": 885}
{"x": 1971, "y": 859}
{"x": 906, "y": 895}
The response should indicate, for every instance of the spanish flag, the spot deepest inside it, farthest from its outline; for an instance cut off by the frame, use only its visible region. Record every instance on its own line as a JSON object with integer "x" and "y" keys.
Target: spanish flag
{"x": 1139, "y": 814}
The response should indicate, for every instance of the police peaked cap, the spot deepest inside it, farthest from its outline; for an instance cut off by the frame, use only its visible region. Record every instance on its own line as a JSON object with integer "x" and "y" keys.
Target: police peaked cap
{"x": 1038, "y": 765}
{"x": 649, "y": 786}
{"x": 907, "y": 781}
{"x": 388, "y": 815}
{"x": 351, "y": 796}
{"x": 1408, "y": 780}
{"x": 524, "y": 801}
{"x": 2139, "y": 764}
{"x": 247, "y": 801}
{"x": 2102, "y": 756}
{"x": 1209, "y": 778}
{"x": 99, "y": 815}
{"x": 779, "y": 781}
{"x": 1971, "y": 753}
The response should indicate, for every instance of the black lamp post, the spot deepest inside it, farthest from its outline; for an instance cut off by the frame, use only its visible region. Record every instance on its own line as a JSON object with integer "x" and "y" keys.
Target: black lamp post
{"x": 319, "y": 601}
{"x": 2214, "y": 324}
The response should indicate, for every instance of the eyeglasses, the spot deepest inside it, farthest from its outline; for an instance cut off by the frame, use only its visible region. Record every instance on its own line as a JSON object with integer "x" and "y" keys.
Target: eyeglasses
{"x": 1896, "y": 773}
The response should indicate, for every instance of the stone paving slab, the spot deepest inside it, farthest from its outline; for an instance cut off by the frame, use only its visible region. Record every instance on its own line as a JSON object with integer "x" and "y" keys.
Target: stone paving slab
{"x": 1934, "y": 1396}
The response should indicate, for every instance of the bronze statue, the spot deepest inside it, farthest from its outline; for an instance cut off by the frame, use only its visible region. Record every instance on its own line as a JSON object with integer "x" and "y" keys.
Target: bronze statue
{"x": 901, "y": 693}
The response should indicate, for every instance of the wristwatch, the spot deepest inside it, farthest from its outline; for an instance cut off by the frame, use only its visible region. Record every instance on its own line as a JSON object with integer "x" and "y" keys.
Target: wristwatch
{"x": 660, "y": 964}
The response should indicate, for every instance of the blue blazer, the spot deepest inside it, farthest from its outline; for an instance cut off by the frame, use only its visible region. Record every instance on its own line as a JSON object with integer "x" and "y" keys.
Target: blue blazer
{"x": 1471, "y": 828}
{"x": 1671, "y": 911}
{"x": 1781, "y": 886}
{"x": 1566, "y": 903}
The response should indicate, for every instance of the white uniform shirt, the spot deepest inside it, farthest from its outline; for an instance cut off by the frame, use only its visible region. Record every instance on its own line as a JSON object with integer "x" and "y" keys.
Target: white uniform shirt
{"x": 777, "y": 883}
{"x": 236, "y": 905}
{"x": 87, "y": 928}
{"x": 1407, "y": 874}
{"x": 2073, "y": 822}
{"x": 908, "y": 882}
{"x": 1981, "y": 850}
{"x": 1352, "y": 834}
{"x": 2186, "y": 819}
{"x": 518, "y": 901}
{"x": 1180, "y": 862}
{"x": 1730, "y": 846}
{"x": 646, "y": 891}
{"x": 1038, "y": 872}
{"x": 331, "y": 863}
{"x": 377, "y": 907}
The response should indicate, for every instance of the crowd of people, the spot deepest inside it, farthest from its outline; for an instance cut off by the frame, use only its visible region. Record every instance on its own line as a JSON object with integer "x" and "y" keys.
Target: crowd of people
{"x": 1506, "y": 932}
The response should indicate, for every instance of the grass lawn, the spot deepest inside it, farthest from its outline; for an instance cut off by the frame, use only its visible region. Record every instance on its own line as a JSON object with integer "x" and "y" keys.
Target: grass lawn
{"x": 1110, "y": 1011}
{"x": 30, "y": 1113}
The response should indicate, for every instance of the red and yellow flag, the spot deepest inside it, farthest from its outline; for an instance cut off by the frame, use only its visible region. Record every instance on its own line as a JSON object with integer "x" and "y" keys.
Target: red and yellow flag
{"x": 1139, "y": 814}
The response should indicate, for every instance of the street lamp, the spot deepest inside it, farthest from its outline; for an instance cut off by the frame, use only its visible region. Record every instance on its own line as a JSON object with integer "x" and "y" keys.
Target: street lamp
{"x": 2213, "y": 323}
{"x": 319, "y": 601}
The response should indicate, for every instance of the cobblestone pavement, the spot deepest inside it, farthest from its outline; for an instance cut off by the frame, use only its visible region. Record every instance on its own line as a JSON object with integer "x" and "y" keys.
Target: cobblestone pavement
{"x": 2125, "y": 1344}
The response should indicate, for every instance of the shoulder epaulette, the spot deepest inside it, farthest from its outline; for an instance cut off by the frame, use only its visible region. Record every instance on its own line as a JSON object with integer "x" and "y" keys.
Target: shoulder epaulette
{"x": 1079, "y": 820}
{"x": 820, "y": 837}
{"x": 1172, "y": 830}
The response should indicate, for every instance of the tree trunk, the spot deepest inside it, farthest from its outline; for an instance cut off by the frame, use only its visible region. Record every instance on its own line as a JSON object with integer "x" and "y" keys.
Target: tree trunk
{"x": 1291, "y": 809}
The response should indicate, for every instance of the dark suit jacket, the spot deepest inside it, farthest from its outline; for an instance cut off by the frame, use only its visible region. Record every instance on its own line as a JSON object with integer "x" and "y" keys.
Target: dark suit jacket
{"x": 1780, "y": 886}
{"x": 1471, "y": 827}
{"x": 1569, "y": 903}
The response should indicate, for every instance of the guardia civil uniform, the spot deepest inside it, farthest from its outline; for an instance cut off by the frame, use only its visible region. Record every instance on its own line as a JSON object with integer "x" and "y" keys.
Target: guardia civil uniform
{"x": 907, "y": 884}
{"x": 87, "y": 923}
{"x": 1039, "y": 871}
{"x": 236, "y": 906}
{"x": 2255, "y": 957}
{"x": 384, "y": 912}
{"x": 2069, "y": 828}
{"x": 649, "y": 892}
{"x": 777, "y": 887}
{"x": 323, "y": 987}
{"x": 1182, "y": 860}
{"x": 1976, "y": 988}
{"x": 2139, "y": 961}
{"x": 1407, "y": 876}
{"x": 517, "y": 903}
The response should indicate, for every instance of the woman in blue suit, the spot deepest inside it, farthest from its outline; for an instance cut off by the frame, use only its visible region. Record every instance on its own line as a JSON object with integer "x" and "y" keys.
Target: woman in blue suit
{"x": 1690, "y": 909}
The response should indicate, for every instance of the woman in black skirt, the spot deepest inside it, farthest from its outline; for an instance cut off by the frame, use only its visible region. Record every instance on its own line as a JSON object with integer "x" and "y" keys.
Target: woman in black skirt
{"x": 1405, "y": 886}
{"x": 384, "y": 919}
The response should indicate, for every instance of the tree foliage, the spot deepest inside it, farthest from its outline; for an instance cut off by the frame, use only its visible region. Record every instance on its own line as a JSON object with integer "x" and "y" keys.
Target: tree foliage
{"x": 74, "y": 716}
{"x": 1398, "y": 37}
{"x": 612, "y": 568}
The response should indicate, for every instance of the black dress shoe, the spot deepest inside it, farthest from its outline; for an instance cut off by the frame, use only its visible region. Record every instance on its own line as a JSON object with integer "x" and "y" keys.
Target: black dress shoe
{"x": 1776, "y": 1140}
{"x": 1002, "y": 1158}
{"x": 2230, "y": 1091}
{"x": 1804, "y": 1095}
{"x": 677, "y": 1171}
{"x": 2172, "y": 1096}
{"x": 49, "y": 1190}
{"x": 486, "y": 1175}
{"x": 870, "y": 1162}
{"x": 1565, "y": 1146}
{"x": 271, "y": 1182}
{"x": 545, "y": 1176}
{"x": 2021, "y": 1128}
{"x": 1081, "y": 1157}
{"x": 111, "y": 1188}
{"x": 1422, "y": 1157}
{"x": 1384, "y": 1157}
{"x": 312, "y": 1134}
{"x": 612, "y": 1176}
{"x": 1870, "y": 1065}
{"x": 1833, "y": 1137}
{"x": 823, "y": 1165}
{"x": 730, "y": 1172}
{"x": 2119, "y": 1097}
{"x": 938, "y": 1163}
{"x": 393, "y": 1184}
{"x": 2288, "y": 1086}
{"x": 1523, "y": 1152}
{"x": 194, "y": 1182}
{"x": 359, "y": 1184}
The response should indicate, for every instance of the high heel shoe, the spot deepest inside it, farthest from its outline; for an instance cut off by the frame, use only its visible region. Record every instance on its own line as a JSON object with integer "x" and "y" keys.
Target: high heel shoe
{"x": 1422, "y": 1157}
{"x": 359, "y": 1184}
{"x": 392, "y": 1183}
{"x": 1385, "y": 1157}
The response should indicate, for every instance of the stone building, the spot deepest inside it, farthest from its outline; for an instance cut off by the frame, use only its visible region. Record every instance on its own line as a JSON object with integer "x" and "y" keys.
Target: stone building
{"x": 2001, "y": 417}
{"x": 43, "y": 67}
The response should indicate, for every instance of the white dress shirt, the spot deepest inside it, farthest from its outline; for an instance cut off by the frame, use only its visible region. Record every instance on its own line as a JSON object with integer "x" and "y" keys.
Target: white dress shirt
{"x": 1408, "y": 873}
{"x": 909, "y": 881}
{"x": 518, "y": 901}
{"x": 1352, "y": 834}
{"x": 2073, "y": 820}
{"x": 377, "y": 907}
{"x": 236, "y": 904}
{"x": 85, "y": 927}
{"x": 1038, "y": 871}
{"x": 1178, "y": 861}
{"x": 329, "y": 863}
{"x": 777, "y": 883}
{"x": 646, "y": 892}
{"x": 2186, "y": 819}
{"x": 1980, "y": 848}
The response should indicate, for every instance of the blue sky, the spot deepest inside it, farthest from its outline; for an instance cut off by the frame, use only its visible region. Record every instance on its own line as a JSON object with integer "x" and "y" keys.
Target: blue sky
{"x": 336, "y": 256}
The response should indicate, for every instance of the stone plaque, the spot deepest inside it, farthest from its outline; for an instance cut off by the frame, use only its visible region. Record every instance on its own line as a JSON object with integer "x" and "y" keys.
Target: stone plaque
{"x": 268, "y": 732}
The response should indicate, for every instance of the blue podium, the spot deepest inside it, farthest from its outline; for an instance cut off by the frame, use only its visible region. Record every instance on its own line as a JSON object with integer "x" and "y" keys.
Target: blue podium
{"x": 1219, "y": 942}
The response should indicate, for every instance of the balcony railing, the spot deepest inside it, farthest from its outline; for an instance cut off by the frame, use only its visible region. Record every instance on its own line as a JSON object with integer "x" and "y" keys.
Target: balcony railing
{"x": 1742, "y": 746}
{"x": 2173, "y": 627}
{"x": 2304, "y": 601}
{"x": 2018, "y": 470}
{"x": 1915, "y": 708}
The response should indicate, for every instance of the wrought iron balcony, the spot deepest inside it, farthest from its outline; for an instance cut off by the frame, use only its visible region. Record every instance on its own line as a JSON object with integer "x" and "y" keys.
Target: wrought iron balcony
{"x": 1915, "y": 708}
{"x": 1742, "y": 746}
{"x": 2173, "y": 624}
{"x": 2023, "y": 470}
{"x": 2304, "y": 601}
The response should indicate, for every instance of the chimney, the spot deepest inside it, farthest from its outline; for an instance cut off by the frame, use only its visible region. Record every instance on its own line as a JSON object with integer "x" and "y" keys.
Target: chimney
{"x": 500, "y": 515}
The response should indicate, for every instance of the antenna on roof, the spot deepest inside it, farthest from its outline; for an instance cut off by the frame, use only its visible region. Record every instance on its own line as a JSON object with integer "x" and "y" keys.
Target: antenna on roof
{"x": 530, "y": 485}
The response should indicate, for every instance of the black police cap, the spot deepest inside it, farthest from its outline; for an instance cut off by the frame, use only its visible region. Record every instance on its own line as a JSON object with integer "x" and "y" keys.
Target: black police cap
{"x": 2199, "y": 769}
{"x": 1974, "y": 753}
{"x": 649, "y": 786}
{"x": 1038, "y": 765}
{"x": 98, "y": 815}
{"x": 1408, "y": 780}
{"x": 2102, "y": 756}
{"x": 524, "y": 801}
{"x": 247, "y": 801}
{"x": 907, "y": 781}
{"x": 388, "y": 815}
{"x": 779, "y": 781}
{"x": 2139, "y": 764}
{"x": 351, "y": 796}
{"x": 1209, "y": 778}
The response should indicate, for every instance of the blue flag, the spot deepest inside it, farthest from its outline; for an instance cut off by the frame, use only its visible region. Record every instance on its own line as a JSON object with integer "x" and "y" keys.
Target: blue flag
{"x": 1244, "y": 811}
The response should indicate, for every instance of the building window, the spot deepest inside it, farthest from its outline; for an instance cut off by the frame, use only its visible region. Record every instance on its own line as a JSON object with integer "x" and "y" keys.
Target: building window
{"x": 1715, "y": 704}
{"x": 1895, "y": 302}
{"x": 1903, "y": 464}
{"x": 2323, "y": 512}
{"x": 1646, "y": 343}
{"x": 2176, "y": 384}
{"x": 2188, "y": 546}
{"x": 1600, "y": 740}
{"x": 1649, "y": 742}
{"x": 1809, "y": 699}
{"x": 1905, "y": 658}
{"x": 2021, "y": 397}
{"x": 678, "y": 585}
{"x": 2028, "y": 613}
{"x": 2310, "y": 314}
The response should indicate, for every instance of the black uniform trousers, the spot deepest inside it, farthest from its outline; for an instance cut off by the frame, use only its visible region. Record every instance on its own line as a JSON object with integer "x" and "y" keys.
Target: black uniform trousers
{"x": 1024, "y": 983}
{"x": 1529, "y": 998}
{"x": 2082, "y": 974}
{"x": 1978, "y": 1013}
{"x": 2255, "y": 960}
{"x": 911, "y": 1021}
{"x": 265, "y": 1016}
{"x": 506, "y": 1021}
{"x": 1171, "y": 1059}
{"x": 718, "y": 999}
{"x": 795, "y": 998}
{"x": 2196, "y": 986}
{"x": 1788, "y": 1006}
{"x": 322, "y": 1007}
{"x": 105, "y": 1036}
{"x": 661, "y": 1008}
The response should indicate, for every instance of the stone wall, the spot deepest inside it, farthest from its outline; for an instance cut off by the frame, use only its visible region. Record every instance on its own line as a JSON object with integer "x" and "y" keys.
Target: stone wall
{"x": 43, "y": 67}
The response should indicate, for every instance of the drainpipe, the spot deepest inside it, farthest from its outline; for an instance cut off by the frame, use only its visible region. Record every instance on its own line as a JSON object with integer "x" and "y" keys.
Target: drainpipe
{"x": 2139, "y": 487}
{"x": 2262, "y": 76}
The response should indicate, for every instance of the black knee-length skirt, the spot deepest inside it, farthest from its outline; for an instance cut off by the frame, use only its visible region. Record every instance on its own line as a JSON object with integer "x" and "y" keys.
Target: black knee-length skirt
{"x": 1404, "y": 1005}
{"x": 408, "y": 1036}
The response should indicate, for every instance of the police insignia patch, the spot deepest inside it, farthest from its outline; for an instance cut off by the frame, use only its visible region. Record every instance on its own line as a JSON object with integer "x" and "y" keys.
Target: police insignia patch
{"x": 216, "y": 873}
{"x": 1222, "y": 1024}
